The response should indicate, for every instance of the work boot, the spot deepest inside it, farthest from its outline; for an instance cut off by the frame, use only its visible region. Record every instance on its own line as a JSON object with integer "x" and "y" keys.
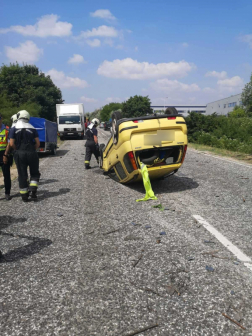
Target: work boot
{"x": 7, "y": 197}
{"x": 34, "y": 196}
{"x": 25, "y": 197}
{"x": 88, "y": 167}
{"x": 1, "y": 255}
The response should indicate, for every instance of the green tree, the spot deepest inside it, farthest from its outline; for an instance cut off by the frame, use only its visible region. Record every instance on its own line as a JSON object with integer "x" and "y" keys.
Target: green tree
{"x": 106, "y": 111}
{"x": 136, "y": 106}
{"x": 26, "y": 84}
{"x": 95, "y": 114}
{"x": 7, "y": 110}
{"x": 246, "y": 97}
{"x": 238, "y": 112}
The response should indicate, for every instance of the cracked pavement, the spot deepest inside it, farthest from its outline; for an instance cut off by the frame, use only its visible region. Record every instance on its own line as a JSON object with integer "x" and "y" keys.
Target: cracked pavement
{"x": 87, "y": 259}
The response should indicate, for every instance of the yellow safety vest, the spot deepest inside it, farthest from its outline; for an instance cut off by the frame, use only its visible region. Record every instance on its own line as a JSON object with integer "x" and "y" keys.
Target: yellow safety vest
{"x": 3, "y": 139}
{"x": 147, "y": 185}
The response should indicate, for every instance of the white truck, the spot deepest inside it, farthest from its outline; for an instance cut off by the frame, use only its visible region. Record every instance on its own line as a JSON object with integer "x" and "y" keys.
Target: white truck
{"x": 70, "y": 119}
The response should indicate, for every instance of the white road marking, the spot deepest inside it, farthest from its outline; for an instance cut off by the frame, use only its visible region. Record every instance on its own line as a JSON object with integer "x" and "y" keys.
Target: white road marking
{"x": 231, "y": 247}
{"x": 219, "y": 158}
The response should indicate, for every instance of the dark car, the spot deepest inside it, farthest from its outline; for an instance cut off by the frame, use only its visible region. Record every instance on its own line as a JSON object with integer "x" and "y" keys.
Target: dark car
{"x": 107, "y": 125}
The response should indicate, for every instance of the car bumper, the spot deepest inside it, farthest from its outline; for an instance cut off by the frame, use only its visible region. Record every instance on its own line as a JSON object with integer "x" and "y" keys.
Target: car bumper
{"x": 71, "y": 134}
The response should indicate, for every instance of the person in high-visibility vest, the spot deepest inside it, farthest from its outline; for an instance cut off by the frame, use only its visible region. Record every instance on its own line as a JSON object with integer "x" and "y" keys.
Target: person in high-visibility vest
{"x": 5, "y": 159}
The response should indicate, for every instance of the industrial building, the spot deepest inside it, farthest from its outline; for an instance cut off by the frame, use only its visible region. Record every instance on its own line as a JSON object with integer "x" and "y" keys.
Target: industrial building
{"x": 224, "y": 106}
{"x": 184, "y": 110}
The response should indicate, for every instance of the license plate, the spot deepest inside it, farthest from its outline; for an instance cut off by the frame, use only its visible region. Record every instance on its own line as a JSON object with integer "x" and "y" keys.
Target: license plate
{"x": 159, "y": 137}
{"x": 70, "y": 133}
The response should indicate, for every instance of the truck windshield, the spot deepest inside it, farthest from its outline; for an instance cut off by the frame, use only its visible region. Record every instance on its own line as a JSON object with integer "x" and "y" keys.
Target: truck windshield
{"x": 69, "y": 120}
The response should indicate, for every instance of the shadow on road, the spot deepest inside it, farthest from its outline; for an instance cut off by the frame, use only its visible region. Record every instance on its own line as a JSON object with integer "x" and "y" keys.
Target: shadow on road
{"x": 26, "y": 251}
{"x": 44, "y": 194}
{"x": 172, "y": 184}
{"x": 60, "y": 152}
{"x": 5, "y": 221}
{"x": 36, "y": 245}
{"x": 41, "y": 182}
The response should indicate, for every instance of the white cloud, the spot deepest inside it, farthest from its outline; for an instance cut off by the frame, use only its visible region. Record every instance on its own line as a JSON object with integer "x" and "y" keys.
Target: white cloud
{"x": 208, "y": 90}
{"x": 61, "y": 80}
{"x": 102, "y": 31}
{"x": 47, "y": 25}
{"x": 113, "y": 99}
{"x": 220, "y": 75}
{"x": 94, "y": 43}
{"x": 88, "y": 100}
{"x": 27, "y": 52}
{"x": 119, "y": 46}
{"x": 103, "y": 14}
{"x": 168, "y": 85}
{"x": 76, "y": 59}
{"x": 234, "y": 82}
{"x": 247, "y": 39}
{"x": 109, "y": 41}
{"x": 185, "y": 45}
{"x": 132, "y": 69}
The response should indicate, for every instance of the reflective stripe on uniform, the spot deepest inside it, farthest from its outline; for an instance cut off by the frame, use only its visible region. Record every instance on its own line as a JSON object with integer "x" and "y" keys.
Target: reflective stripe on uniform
{"x": 24, "y": 191}
{"x": 33, "y": 184}
{"x": 87, "y": 161}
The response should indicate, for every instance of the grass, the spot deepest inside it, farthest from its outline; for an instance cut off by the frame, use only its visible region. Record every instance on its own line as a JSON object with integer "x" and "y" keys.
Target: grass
{"x": 222, "y": 152}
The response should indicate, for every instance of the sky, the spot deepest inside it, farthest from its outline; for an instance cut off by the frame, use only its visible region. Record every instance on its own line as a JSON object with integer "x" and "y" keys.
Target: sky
{"x": 97, "y": 52}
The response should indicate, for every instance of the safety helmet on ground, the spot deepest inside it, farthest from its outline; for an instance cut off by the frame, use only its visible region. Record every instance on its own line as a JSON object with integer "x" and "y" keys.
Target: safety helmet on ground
{"x": 23, "y": 115}
{"x": 96, "y": 121}
{"x": 14, "y": 118}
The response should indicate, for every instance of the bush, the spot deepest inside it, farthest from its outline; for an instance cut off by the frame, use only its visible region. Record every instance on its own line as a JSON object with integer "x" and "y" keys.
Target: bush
{"x": 233, "y": 133}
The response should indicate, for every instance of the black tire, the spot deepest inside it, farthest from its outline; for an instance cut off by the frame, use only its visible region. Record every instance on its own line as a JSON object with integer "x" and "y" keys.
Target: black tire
{"x": 116, "y": 116}
{"x": 171, "y": 110}
{"x": 53, "y": 150}
{"x": 101, "y": 148}
{"x": 62, "y": 138}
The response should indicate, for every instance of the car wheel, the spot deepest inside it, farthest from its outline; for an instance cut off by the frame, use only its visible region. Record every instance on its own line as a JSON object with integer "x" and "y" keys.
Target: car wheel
{"x": 101, "y": 148}
{"x": 171, "y": 110}
{"x": 115, "y": 117}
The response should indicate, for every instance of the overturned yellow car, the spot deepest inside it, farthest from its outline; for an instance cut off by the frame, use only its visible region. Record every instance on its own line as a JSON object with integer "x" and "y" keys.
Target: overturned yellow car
{"x": 158, "y": 141}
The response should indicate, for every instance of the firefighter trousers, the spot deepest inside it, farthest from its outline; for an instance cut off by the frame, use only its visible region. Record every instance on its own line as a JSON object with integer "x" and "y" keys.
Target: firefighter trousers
{"x": 91, "y": 149}
{"x": 6, "y": 172}
{"x": 25, "y": 159}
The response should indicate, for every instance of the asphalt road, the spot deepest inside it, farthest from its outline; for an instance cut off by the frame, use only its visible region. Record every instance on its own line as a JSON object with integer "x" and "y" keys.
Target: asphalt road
{"x": 87, "y": 259}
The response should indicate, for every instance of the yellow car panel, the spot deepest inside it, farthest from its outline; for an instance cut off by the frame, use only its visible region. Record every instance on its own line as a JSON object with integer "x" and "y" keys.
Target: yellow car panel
{"x": 159, "y": 142}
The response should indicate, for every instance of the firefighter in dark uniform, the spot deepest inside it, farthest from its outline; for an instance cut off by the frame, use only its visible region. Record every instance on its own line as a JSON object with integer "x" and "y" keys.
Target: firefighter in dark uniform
{"x": 24, "y": 140}
{"x": 91, "y": 145}
{"x": 5, "y": 159}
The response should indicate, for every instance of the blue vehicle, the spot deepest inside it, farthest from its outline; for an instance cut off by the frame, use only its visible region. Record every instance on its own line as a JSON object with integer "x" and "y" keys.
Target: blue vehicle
{"x": 47, "y": 131}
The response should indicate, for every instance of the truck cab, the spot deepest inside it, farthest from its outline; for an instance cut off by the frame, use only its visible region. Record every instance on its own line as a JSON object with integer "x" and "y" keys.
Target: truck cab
{"x": 70, "y": 120}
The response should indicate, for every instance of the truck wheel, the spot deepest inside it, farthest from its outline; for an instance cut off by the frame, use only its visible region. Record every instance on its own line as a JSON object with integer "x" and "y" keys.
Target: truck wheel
{"x": 53, "y": 150}
{"x": 171, "y": 110}
{"x": 62, "y": 138}
{"x": 117, "y": 115}
{"x": 101, "y": 148}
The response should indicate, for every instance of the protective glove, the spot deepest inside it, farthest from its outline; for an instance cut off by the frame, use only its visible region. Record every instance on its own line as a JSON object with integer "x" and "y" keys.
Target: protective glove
{"x": 97, "y": 147}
